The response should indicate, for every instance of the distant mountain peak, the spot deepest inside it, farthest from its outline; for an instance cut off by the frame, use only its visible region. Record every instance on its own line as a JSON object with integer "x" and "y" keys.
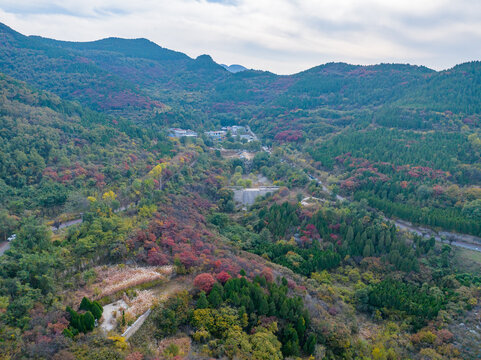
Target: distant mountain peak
{"x": 138, "y": 48}
{"x": 204, "y": 57}
{"x": 204, "y": 62}
{"x": 234, "y": 68}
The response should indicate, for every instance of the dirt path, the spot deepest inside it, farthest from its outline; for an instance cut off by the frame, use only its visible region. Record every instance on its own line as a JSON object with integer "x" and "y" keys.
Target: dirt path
{"x": 163, "y": 293}
{"x": 131, "y": 330}
{"x": 109, "y": 321}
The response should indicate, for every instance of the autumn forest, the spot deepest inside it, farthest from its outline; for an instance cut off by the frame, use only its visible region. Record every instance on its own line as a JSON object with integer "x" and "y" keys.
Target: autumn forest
{"x": 156, "y": 206}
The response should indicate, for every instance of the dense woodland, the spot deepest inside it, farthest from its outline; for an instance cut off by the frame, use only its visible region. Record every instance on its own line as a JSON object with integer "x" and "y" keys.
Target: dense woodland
{"x": 427, "y": 178}
{"x": 114, "y": 221}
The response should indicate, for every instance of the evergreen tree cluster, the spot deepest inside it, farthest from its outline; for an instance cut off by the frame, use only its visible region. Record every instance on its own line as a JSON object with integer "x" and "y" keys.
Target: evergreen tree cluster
{"x": 83, "y": 322}
{"x": 419, "y": 303}
{"x": 260, "y": 299}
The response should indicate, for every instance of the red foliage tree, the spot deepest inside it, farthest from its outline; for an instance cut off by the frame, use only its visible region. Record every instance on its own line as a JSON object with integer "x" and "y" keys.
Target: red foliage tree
{"x": 156, "y": 257}
{"x": 288, "y": 136}
{"x": 267, "y": 274}
{"x": 204, "y": 282}
{"x": 187, "y": 258}
{"x": 291, "y": 284}
{"x": 438, "y": 190}
{"x": 135, "y": 356}
{"x": 99, "y": 178}
{"x": 222, "y": 277}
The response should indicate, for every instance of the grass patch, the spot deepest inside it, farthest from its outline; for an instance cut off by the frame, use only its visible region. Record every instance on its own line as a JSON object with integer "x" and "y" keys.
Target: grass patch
{"x": 118, "y": 295}
{"x": 468, "y": 260}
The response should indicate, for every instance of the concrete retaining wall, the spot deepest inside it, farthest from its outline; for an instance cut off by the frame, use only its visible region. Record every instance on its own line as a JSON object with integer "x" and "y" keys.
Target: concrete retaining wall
{"x": 248, "y": 196}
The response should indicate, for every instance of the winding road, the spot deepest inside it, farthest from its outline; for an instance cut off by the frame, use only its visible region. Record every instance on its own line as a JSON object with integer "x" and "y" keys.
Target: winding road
{"x": 470, "y": 242}
{"x": 460, "y": 240}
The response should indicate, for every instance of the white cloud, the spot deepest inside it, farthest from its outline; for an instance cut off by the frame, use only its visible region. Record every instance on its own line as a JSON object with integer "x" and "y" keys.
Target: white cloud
{"x": 283, "y": 36}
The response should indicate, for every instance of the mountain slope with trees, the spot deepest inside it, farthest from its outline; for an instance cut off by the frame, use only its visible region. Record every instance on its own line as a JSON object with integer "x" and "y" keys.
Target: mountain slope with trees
{"x": 157, "y": 233}
{"x": 139, "y": 78}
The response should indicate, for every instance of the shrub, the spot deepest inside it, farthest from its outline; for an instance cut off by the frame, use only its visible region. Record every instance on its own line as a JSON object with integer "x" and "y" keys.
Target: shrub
{"x": 204, "y": 282}
{"x": 222, "y": 277}
{"x": 94, "y": 307}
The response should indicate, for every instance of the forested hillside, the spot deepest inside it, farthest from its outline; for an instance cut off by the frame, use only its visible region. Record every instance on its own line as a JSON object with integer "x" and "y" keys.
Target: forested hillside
{"x": 52, "y": 149}
{"x": 137, "y": 76}
{"x": 129, "y": 241}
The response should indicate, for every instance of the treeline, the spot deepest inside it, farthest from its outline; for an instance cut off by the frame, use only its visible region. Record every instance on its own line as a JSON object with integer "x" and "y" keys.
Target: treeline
{"x": 84, "y": 321}
{"x": 50, "y": 148}
{"x": 438, "y": 150}
{"x": 299, "y": 260}
{"x": 278, "y": 171}
{"x": 352, "y": 86}
{"x": 27, "y": 273}
{"x": 278, "y": 218}
{"x": 455, "y": 90}
{"x": 353, "y": 236}
{"x": 408, "y": 174}
{"x": 448, "y": 219}
{"x": 396, "y": 117}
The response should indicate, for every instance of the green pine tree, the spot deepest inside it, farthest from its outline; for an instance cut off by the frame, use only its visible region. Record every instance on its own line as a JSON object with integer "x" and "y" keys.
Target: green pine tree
{"x": 202, "y": 302}
{"x": 263, "y": 306}
{"x": 88, "y": 321}
{"x": 215, "y": 296}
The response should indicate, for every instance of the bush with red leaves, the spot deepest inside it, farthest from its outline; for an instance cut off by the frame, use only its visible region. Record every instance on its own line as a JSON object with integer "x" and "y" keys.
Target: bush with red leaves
{"x": 267, "y": 274}
{"x": 288, "y": 136}
{"x": 135, "y": 356}
{"x": 222, "y": 277}
{"x": 204, "y": 282}
{"x": 156, "y": 257}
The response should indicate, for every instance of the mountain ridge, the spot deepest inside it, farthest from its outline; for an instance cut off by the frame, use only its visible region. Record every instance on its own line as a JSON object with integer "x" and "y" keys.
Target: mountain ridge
{"x": 99, "y": 183}
{"x": 93, "y": 45}
{"x": 137, "y": 78}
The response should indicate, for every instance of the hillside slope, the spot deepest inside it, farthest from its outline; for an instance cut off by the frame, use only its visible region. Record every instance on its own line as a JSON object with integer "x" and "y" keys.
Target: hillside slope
{"x": 51, "y": 148}
{"x": 136, "y": 77}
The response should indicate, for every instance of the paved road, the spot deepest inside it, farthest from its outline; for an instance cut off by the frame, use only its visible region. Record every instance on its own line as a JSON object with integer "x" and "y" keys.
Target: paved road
{"x": 162, "y": 293}
{"x": 79, "y": 221}
{"x": 251, "y": 133}
{"x": 460, "y": 240}
{"x": 471, "y": 243}
{"x": 324, "y": 187}
{"x": 66, "y": 224}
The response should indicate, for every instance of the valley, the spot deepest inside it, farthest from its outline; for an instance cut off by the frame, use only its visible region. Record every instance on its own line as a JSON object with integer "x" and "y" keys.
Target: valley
{"x": 167, "y": 207}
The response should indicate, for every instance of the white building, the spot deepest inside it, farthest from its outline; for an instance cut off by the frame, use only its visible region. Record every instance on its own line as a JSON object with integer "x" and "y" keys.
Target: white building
{"x": 178, "y": 133}
{"x": 216, "y": 135}
{"x": 235, "y": 129}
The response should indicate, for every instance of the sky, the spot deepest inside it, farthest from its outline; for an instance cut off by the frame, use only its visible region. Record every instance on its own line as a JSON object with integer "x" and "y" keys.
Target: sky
{"x": 282, "y": 36}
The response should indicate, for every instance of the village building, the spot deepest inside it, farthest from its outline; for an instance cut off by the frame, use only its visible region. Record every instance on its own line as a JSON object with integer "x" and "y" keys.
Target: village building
{"x": 216, "y": 135}
{"x": 178, "y": 133}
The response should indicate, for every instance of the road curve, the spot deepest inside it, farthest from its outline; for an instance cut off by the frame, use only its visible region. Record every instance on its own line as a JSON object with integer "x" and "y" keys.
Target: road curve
{"x": 460, "y": 240}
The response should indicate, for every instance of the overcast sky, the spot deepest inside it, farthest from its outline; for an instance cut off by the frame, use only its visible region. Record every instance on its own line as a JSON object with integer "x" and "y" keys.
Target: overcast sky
{"x": 283, "y": 36}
